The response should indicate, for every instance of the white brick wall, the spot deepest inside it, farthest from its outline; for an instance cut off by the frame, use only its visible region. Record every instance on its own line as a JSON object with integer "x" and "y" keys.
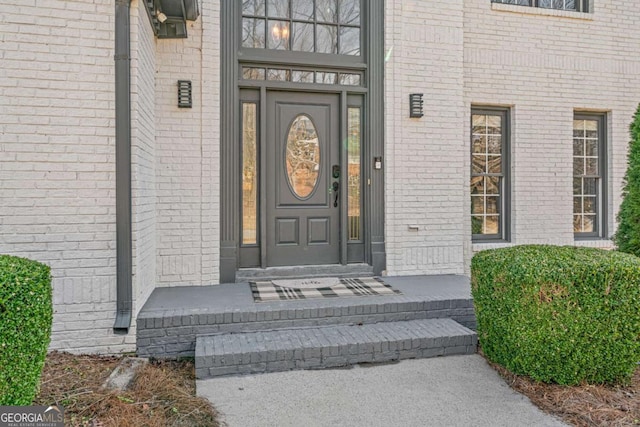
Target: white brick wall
{"x": 187, "y": 149}
{"x": 546, "y": 64}
{"x": 425, "y": 157}
{"x": 57, "y": 172}
{"x": 57, "y": 165}
{"x": 143, "y": 154}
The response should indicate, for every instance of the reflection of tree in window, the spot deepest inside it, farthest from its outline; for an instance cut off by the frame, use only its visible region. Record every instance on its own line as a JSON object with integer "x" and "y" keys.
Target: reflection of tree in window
{"x": 303, "y": 156}
{"x": 249, "y": 174}
{"x": 323, "y": 26}
{"x": 486, "y": 173}
{"x": 353, "y": 184}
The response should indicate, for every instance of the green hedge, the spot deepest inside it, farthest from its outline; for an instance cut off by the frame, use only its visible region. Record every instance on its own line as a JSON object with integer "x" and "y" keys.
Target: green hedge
{"x": 564, "y": 315}
{"x": 628, "y": 234}
{"x": 25, "y": 327}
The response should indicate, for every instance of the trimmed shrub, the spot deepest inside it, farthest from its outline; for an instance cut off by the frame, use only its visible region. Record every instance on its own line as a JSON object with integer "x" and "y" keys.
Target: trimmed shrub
{"x": 25, "y": 327}
{"x": 561, "y": 315}
{"x": 628, "y": 235}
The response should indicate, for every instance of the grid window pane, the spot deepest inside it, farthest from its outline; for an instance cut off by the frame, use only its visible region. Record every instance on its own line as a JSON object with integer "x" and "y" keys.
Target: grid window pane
{"x": 591, "y": 147}
{"x": 476, "y": 224}
{"x": 252, "y": 73}
{"x": 327, "y": 39}
{"x": 278, "y": 8}
{"x": 578, "y": 146}
{"x": 477, "y": 204}
{"x": 349, "y": 41}
{"x": 478, "y": 144}
{"x": 518, "y": 2}
{"x": 278, "y": 37}
{"x": 589, "y": 205}
{"x": 275, "y": 74}
{"x": 327, "y": 10}
{"x": 302, "y": 38}
{"x": 253, "y": 34}
{"x": 493, "y": 185}
{"x": 577, "y": 185}
{"x": 557, "y": 4}
{"x": 349, "y": 12}
{"x": 302, "y": 76}
{"x": 587, "y": 176}
{"x": 588, "y": 224}
{"x": 494, "y": 164}
{"x": 314, "y": 26}
{"x": 494, "y": 144}
{"x": 578, "y": 165}
{"x": 302, "y": 10}
{"x": 253, "y": 7}
{"x": 477, "y": 185}
{"x": 590, "y": 186}
{"x": 492, "y": 205}
{"x": 549, "y": 4}
{"x": 577, "y": 205}
{"x": 479, "y": 164}
{"x": 491, "y": 225}
{"x": 327, "y": 78}
{"x": 350, "y": 79}
{"x": 487, "y": 173}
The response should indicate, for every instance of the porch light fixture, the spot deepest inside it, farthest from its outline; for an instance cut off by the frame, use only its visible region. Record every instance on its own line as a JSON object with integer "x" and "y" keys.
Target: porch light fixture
{"x": 161, "y": 17}
{"x": 184, "y": 94}
{"x": 416, "y": 109}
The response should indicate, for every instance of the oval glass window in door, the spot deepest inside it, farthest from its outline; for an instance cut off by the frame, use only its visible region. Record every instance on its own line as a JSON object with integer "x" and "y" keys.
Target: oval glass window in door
{"x": 302, "y": 156}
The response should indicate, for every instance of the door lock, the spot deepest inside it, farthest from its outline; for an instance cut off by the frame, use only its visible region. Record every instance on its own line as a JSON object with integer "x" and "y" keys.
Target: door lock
{"x": 335, "y": 172}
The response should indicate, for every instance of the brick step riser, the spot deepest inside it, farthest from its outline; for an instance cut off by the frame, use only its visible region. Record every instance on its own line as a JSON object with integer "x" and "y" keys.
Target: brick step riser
{"x": 316, "y": 352}
{"x": 176, "y": 336}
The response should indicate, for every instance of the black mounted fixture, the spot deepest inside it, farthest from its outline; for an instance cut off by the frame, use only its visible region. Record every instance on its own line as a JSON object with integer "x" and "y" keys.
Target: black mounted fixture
{"x": 185, "y": 99}
{"x": 416, "y": 109}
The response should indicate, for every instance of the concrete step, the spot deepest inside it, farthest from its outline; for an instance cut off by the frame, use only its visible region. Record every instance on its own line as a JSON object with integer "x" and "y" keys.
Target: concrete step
{"x": 330, "y": 346}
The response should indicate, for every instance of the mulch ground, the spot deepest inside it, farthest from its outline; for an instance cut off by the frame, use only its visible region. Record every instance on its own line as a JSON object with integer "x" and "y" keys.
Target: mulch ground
{"x": 585, "y": 405}
{"x": 161, "y": 394}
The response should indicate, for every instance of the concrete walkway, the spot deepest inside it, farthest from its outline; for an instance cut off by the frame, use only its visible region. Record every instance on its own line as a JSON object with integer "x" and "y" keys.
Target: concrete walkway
{"x": 449, "y": 391}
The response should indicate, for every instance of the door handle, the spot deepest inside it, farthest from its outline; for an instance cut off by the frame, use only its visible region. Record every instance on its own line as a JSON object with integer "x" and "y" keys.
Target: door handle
{"x": 336, "y": 189}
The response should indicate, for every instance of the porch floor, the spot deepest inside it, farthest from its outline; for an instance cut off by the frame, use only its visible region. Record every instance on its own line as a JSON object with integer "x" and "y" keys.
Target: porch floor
{"x": 237, "y": 297}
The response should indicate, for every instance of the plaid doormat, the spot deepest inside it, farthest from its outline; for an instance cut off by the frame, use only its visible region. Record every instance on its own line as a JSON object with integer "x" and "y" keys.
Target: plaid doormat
{"x": 278, "y": 290}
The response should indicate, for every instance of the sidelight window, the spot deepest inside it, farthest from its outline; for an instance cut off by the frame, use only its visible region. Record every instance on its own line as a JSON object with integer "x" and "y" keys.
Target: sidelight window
{"x": 354, "y": 184}
{"x": 249, "y": 173}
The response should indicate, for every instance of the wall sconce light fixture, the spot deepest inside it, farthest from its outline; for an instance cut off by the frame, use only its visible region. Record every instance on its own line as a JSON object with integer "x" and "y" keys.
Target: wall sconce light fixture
{"x": 416, "y": 105}
{"x": 184, "y": 94}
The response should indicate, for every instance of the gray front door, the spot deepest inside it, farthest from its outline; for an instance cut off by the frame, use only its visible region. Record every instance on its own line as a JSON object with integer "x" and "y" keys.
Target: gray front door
{"x": 302, "y": 170}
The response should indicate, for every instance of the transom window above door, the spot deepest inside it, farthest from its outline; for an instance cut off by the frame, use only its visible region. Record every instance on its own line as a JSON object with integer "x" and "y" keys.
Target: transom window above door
{"x": 314, "y": 26}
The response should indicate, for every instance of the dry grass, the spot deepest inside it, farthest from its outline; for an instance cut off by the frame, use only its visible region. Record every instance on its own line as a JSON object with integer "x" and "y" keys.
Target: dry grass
{"x": 585, "y": 405}
{"x": 162, "y": 393}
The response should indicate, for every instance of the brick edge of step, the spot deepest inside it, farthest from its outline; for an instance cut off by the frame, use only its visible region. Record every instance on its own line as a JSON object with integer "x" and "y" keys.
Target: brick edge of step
{"x": 330, "y": 347}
